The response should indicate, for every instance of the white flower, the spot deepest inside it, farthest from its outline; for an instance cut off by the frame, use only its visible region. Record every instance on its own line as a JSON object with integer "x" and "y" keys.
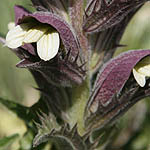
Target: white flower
{"x": 11, "y": 25}
{"x": 46, "y": 37}
{"x": 141, "y": 71}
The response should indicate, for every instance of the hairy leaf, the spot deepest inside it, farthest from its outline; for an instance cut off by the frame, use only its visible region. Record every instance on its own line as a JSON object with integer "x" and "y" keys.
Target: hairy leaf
{"x": 20, "y": 110}
{"x": 57, "y": 72}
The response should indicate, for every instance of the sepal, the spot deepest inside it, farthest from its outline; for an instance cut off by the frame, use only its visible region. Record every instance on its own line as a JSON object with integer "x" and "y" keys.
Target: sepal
{"x": 58, "y": 72}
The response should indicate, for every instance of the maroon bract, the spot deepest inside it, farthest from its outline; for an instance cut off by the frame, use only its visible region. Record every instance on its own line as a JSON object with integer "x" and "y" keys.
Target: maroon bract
{"x": 114, "y": 75}
{"x": 108, "y": 96}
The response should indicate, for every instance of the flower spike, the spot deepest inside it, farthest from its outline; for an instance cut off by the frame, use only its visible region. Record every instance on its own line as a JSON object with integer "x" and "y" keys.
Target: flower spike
{"x": 83, "y": 87}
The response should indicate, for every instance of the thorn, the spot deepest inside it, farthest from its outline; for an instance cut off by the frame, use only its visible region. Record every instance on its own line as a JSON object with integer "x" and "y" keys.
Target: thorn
{"x": 82, "y": 65}
{"x": 40, "y": 115}
{"x": 110, "y": 2}
{"x": 74, "y": 129}
{"x": 68, "y": 54}
{"x": 43, "y": 92}
{"x": 89, "y": 6}
{"x": 52, "y": 132}
{"x": 104, "y": 4}
{"x": 85, "y": 15}
{"x": 22, "y": 64}
{"x": 76, "y": 58}
{"x": 86, "y": 136}
{"x": 119, "y": 45}
{"x": 63, "y": 129}
{"x": 40, "y": 89}
{"x": 98, "y": 5}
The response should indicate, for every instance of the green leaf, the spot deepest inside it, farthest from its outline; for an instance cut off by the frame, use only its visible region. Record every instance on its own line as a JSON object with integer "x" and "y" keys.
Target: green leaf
{"x": 20, "y": 110}
{"x": 26, "y": 141}
{"x": 28, "y": 114}
{"x": 6, "y": 142}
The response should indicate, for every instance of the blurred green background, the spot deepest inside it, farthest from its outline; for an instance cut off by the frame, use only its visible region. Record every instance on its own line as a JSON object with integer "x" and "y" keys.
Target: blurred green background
{"x": 17, "y": 84}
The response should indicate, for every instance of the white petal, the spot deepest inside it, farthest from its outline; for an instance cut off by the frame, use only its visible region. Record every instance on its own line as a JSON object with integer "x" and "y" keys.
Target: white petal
{"x": 15, "y": 36}
{"x": 35, "y": 33}
{"x": 143, "y": 66}
{"x": 145, "y": 70}
{"x": 11, "y": 25}
{"x": 48, "y": 46}
{"x": 140, "y": 78}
